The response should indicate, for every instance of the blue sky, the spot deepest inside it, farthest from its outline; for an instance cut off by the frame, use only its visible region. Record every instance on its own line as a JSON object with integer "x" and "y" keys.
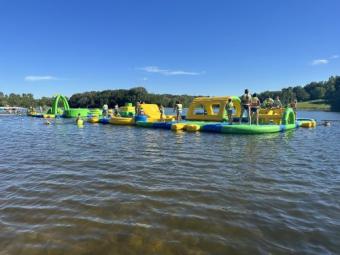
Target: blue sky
{"x": 215, "y": 47}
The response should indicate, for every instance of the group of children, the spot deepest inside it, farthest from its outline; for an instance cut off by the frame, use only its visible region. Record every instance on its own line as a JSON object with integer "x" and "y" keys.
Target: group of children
{"x": 252, "y": 104}
{"x": 107, "y": 113}
{"x": 178, "y": 108}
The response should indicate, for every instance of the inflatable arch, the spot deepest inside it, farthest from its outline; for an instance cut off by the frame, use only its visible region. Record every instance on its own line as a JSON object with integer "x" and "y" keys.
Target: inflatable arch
{"x": 288, "y": 117}
{"x": 212, "y": 108}
{"x": 54, "y": 109}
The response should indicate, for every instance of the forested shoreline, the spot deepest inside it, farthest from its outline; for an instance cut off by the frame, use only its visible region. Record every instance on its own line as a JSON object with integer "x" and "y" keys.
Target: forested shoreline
{"x": 328, "y": 91}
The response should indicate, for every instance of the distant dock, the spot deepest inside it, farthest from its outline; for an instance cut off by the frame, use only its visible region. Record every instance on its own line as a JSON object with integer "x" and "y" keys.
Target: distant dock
{"x": 9, "y": 110}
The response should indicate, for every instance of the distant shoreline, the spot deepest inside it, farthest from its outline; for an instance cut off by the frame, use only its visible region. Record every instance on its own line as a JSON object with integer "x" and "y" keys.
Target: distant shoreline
{"x": 314, "y": 105}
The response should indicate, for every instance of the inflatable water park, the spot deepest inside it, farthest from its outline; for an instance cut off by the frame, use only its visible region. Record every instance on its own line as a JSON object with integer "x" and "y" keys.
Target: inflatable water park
{"x": 64, "y": 111}
{"x": 205, "y": 114}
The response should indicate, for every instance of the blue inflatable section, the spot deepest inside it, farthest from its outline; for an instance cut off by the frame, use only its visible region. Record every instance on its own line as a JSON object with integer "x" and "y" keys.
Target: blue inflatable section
{"x": 163, "y": 125}
{"x": 141, "y": 118}
{"x": 216, "y": 128}
{"x": 104, "y": 121}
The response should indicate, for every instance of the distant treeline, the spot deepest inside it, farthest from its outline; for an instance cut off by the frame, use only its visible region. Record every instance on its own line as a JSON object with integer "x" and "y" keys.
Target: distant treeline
{"x": 328, "y": 91}
{"x": 96, "y": 99}
{"x": 23, "y": 100}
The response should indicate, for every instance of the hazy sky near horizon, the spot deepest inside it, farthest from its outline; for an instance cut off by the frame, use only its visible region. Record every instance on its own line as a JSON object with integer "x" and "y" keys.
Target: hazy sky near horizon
{"x": 196, "y": 47}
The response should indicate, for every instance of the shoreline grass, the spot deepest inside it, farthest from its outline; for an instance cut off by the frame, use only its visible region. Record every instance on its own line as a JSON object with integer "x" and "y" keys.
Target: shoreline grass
{"x": 320, "y": 105}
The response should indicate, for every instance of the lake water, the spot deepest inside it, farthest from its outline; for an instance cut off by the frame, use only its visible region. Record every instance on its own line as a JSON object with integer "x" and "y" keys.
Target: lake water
{"x": 105, "y": 189}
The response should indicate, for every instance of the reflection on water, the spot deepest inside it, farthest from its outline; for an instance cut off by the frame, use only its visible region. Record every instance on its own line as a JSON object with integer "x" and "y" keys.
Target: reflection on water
{"x": 106, "y": 189}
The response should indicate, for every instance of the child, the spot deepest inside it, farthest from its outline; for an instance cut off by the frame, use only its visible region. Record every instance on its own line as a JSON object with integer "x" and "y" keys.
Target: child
{"x": 105, "y": 109}
{"x": 141, "y": 111}
{"x": 229, "y": 108}
{"x": 293, "y": 104}
{"x": 116, "y": 110}
{"x": 326, "y": 123}
{"x": 178, "y": 109}
{"x": 268, "y": 103}
{"x": 277, "y": 102}
{"x": 161, "y": 109}
{"x": 138, "y": 108}
{"x": 79, "y": 120}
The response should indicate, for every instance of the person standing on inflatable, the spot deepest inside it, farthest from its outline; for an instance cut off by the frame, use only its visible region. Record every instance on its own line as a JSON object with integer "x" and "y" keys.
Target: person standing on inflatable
{"x": 137, "y": 109}
{"x": 245, "y": 105}
{"x": 178, "y": 109}
{"x": 161, "y": 110}
{"x": 229, "y": 108}
{"x": 105, "y": 110}
{"x": 116, "y": 110}
{"x": 255, "y": 108}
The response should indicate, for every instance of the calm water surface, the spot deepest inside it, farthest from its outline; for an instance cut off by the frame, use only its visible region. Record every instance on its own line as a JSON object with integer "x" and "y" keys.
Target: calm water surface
{"x": 127, "y": 190}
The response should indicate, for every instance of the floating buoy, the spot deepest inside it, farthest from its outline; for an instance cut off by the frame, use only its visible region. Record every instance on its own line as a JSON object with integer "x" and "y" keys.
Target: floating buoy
{"x": 308, "y": 124}
{"x": 177, "y": 126}
{"x": 192, "y": 128}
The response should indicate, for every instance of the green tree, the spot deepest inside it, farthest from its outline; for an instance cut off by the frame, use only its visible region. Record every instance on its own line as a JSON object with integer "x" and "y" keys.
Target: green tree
{"x": 3, "y": 99}
{"x": 318, "y": 92}
{"x": 335, "y": 97}
{"x": 301, "y": 93}
{"x": 287, "y": 95}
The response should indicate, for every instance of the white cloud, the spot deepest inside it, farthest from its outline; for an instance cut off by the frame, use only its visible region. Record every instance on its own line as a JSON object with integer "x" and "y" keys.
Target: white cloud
{"x": 325, "y": 60}
{"x": 156, "y": 69}
{"x": 320, "y": 62}
{"x": 40, "y": 78}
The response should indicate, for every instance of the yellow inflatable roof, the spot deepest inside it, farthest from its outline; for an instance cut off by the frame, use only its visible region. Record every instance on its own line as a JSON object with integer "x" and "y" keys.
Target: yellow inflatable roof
{"x": 213, "y": 108}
